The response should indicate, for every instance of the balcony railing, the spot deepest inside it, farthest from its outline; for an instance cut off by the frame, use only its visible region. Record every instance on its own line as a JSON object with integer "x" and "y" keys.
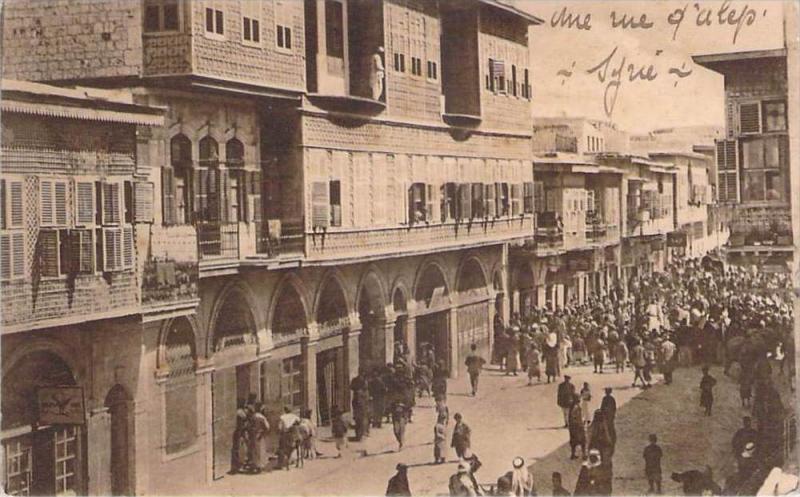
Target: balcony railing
{"x": 218, "y": 240}
{"x": 275, "y": 238}
{"x": 391, "y": 240}
{"x": 549, "y": 234}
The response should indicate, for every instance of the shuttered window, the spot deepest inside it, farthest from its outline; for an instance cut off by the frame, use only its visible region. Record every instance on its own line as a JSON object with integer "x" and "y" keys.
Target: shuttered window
{"x": 750, "y": 117}
{"x": 168, "y": 207}
{"x": 538, "y": 196}
{"x": 47, "y": 252}
{"x": 143, "y": 202}
{"x": 489, "y": 200}
{"x": 477, "y": 200}
{"x": 84, "y": 203}
{"x": 320, "y": 205}
{"x": 53, "y": 202}
{"x": 416, "y": 203}
{"x": 254, "y": 188}
{"x": 112, "y": 249}
{"x": 497, "y": 76}
{"x": 501, "y": 194}
{"x": 516, "y": 199}
{"x": 336, "y": 202}
{"x": 111, "y": 197}
{"x": 727, "y": 174}
{"x": 12, "y": 255}
{"x": 448, "y": 202}
{"x": 11, "y": 203}
{"x": 465, "y": 202}
{"x": 528, "y": 197}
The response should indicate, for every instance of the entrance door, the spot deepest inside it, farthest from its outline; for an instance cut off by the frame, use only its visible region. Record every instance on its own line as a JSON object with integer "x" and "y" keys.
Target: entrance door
{"x": 329, "y": 383}
{"x": 223, "y": 398}
{"x": 117, "y": 403}
{"x": 432, "y": 330}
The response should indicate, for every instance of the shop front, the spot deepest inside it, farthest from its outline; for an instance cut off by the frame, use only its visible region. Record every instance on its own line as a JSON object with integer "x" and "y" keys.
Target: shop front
{"x": 43, "y": 427}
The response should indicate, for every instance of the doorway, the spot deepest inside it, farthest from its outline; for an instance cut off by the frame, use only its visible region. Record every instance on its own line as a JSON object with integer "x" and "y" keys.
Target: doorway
{"x": 118, "y": 404}
{"x": 432, "y": 330}
{"x": 330, "y": 383}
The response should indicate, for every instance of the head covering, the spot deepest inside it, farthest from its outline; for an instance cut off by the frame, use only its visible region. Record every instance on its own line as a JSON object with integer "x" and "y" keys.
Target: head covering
{"x": 518, "y": 462}
{"x": 749, "y": 449}
{"x": 463, "y": 467}
{"x": 552, "y": 339}
{"x": 401, "y": 467}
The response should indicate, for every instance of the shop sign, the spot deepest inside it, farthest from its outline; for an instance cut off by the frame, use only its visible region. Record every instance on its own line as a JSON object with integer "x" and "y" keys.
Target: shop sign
{"x": 60, "y": 405}
{"x": 676, "y": 239}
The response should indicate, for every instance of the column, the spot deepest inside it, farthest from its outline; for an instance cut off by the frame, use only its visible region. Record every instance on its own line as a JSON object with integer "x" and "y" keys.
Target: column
{"x": 388, "y": 342}
{"x": 411, "y": 336}
{"x": 506, "y": 311}
{"x": 452, "y": 325}
{"x": 308, "y": 351}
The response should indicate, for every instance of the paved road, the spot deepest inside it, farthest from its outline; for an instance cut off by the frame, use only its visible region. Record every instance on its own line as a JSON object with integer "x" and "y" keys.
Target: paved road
{"x": 509, "y": 418}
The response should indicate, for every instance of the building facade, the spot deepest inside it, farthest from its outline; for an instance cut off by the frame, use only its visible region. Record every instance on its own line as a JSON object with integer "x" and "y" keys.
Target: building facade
{"x": 331, "y": 177}
{"x": 754, "y": 158}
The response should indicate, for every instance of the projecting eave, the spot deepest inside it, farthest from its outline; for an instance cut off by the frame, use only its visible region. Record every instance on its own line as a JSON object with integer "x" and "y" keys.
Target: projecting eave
{"x": 563, "y": 159}
{"x": 715, "y": 61}
{"x": 530, "y": 18}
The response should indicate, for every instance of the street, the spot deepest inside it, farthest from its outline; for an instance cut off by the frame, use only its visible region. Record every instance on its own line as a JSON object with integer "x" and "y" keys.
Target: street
{"x": 509, "y": 418}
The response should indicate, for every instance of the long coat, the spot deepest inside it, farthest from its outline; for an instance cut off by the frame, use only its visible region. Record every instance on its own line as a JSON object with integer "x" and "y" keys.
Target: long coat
{"x": 462, "y": 436}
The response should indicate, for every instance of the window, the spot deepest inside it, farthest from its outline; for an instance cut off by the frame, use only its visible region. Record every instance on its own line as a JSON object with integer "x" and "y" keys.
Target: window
{"x": 251, "y": 29}
{"x": 215, "y": 21}
{"x": 490, "y": 202}
{"x": 237, "y": 194}
{"x": 432, "y": 70}
{"x": 516, "y": 199}
{"x": 292, "y": 382}
{"x": 11, "y": 204}
{"x": 503, "y": 206}
{"x": 160, "y": 15}
{"x": 12, "y": 255}
{"x": 67, "y": 443}
{"x": 399, "y": 62}
{"x": 417, "y": 206}
{"x": 416, "y": 66}
{"x": 528, "y": 198}
{"x": 283, "y": 25}
{"x": 175, "y": 181}
{"x": 749, "y": 117}
{"x": 727, "y": 174}
{"x": 538, "y": 196}
{"x": 448, "y": 202}
{"x": 465, "y": 202}
{"x": 497, "y": 76}
{"x": 320, "y": 205}
{"x": 526, "y": 85}
{"x": 52, "y": 202}
{"x": 765, "y": 163}
{"x": 478, "y": 210}
{"x": 18, "y": 464}
{"x": 336, "y": 202}
{"x": 775, "y": 115}
{"x": 334, "y": 29}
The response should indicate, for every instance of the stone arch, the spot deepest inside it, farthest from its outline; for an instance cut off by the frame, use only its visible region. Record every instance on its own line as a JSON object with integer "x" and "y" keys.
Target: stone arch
{"x": 371, "y": 293}
{"x": 180, "y": 150}
{"x": 332, "y": 299}
{"x": 175, "y": 331}
{"x": 234, "y": 153}
{"x": 121, "y": 440}
{"x": 430, "y": 275}
{"x": 289, "y": 291}
{"x": 471, "y": 276}
{"x": 232, "y": 318}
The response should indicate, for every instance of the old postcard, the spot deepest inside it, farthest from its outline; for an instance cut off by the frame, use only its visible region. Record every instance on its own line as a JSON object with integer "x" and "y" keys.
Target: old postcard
{"x": 399, "y": 247}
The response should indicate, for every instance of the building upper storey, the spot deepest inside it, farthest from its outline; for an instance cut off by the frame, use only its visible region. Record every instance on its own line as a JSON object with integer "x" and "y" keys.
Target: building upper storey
{"x": 72, "y": 201}
{"x": 579, "y": 135}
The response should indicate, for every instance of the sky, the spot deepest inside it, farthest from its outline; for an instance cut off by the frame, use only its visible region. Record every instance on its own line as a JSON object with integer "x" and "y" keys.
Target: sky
{"x": 657, "y": 97}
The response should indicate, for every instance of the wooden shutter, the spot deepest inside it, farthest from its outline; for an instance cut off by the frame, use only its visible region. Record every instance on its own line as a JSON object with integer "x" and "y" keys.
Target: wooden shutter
{"x": 727, "y": 171}
{"x": 143, "y": 202}
{"x": 429, "y": 203}
{"x": 84, "y": 203}
{"x": 12, "y": 252}
{"x": 127, "y": 247}
{"x": 255, "y": 196}
{"x": 48, "y": 253}
{"x": 538, "y": 196}
{"x": 320, "y": 205}
{"x": 516, "y": 199}
{"x": 46, "y": 203}
{"x": 477, "y": 200}
{"x": 465, "y": 201}
{"x": 528, "y": 197}
{"x": 489, "y": 199}
{"x": 223, "y": 189}
{"x": 212, "y": 184}
{"x": 15, "y": 207}
{"x": 60, "y": 198}
{"x": 168, "y": 206}
{"x": 82, "y": 250}
{"x": 200, "y": 194}
{"x": 112, "y": 249}
{"x": 750, "y": 117}
{"x": 111, "y": 203}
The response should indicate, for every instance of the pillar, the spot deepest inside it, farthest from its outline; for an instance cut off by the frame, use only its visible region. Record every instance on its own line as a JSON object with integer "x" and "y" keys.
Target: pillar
{"x": 506, "y": 311}
{"x": 308, "y": 351}
{"x": 388, "y": 341}
{"x": 411, "y": 336}
{"x": 452, "y": 325}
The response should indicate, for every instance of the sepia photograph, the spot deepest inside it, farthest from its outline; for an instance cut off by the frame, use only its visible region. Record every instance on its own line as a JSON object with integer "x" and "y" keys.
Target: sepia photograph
{"x": 330, "y": 248}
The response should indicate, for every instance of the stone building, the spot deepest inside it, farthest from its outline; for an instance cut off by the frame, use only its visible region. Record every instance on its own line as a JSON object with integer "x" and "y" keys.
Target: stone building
{"x": 76, "y": 212}
{"x": 332, "y": 177}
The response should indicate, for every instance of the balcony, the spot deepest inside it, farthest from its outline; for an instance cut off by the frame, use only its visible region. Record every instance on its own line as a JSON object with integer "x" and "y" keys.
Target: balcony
{"x": 566, "y": 144}
{"x": 276, "y": 239}
{"x": 218, "y": 240}
{"x": 420, "y": 238}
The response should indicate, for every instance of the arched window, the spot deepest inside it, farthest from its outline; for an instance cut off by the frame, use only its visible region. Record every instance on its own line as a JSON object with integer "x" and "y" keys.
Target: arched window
{"x": 209, "y": 152}
{"x": 208, "y": 198}
{"x": 175, "y": 181}
{"x": 234, "y": 153}
{"x": 180, "y": 395}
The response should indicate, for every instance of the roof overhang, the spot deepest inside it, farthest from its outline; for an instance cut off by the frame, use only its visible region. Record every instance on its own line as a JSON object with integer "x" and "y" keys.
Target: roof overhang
{"x": 714, "y": 61}
{"x": 530, "y": 18}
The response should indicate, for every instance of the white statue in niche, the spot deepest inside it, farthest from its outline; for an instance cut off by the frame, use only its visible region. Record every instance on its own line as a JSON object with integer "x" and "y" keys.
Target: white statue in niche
{"x": 377, "y": 74}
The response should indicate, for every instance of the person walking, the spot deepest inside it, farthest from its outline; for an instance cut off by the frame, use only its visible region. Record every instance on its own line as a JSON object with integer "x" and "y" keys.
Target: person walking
{"x": 474, "y": 364}
{"x": 600, "y": 437}
{"x": 742, "y": 437}
{"x": 707, "y": 383}
{"x": 399, "y": 420}
{"x": 564, "y": 398}
{"x": 590, "y": 477}
{"x": 462, "y": 436}
{"x": 461, "y": 483}
{"x": 577, "y": 430}
{"x": 398, "y": 484}
{"x": 439, "y": 383}
{"x": 620, "y": 356}
{"x": 339, "y": 431}
{"x": 652, "y": 464}
{"x": 558, "y": 487}
{"x": 609, "y": 407}
{"x": 512, "y": 352}
{"x": 637, "y": 358}
{"x": 240, "y": 433}
{"x": 439, "y": 442}
{"x": 668, "y": 359}
{"x": 599, "y": 355}
{"x": 550, "y": 347}
{"x": 360, "y": 390}
{"x": 377, "y": 392}
{"x": 586, "y": 397}
{"x": 258, "y": 439}
{"x": 534, "y": 361}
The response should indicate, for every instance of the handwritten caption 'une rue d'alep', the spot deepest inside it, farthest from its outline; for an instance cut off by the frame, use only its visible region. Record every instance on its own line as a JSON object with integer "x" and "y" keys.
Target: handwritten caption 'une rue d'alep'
{"x": 616, "y": 67}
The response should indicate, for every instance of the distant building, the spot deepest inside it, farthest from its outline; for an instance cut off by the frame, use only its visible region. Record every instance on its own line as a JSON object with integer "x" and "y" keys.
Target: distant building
{"x": 753, "y": 158}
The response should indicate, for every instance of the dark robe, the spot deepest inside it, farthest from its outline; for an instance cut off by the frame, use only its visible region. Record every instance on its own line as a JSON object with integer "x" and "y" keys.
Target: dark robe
{"x": 398, "y": 485}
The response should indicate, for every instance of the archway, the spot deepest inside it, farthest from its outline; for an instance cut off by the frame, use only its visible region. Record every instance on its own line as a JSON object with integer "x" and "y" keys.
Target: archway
{"x": 524, "y": 290}
{"x": 234, "y": 381}
{"x": 118, "y": 403}
{"x": 473, "y": 311}
{"x": 373, "y": 349}
{"x": 289, "y": 315}
{"x": 50, "y": 459}
{"x": 332, "y": 318}
{"x": 400, "y": 308}
{"x": 432, "y": 297}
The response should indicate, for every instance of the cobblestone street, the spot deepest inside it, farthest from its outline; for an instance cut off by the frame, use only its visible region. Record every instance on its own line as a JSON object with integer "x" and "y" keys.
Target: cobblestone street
{"x": 509, "y": 418}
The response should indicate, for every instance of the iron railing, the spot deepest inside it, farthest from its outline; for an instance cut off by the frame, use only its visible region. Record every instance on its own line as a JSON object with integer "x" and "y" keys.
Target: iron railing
{"x": 218, "y": 240}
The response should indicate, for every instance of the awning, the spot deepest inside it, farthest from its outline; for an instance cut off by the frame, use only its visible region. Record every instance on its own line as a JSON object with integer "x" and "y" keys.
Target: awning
{"x": 65, "y": 111}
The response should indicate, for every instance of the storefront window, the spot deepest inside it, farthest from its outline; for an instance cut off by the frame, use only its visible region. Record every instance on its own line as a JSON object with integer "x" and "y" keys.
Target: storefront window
{"x": 18, "y": 466}
{"x": 66, "y": 453}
